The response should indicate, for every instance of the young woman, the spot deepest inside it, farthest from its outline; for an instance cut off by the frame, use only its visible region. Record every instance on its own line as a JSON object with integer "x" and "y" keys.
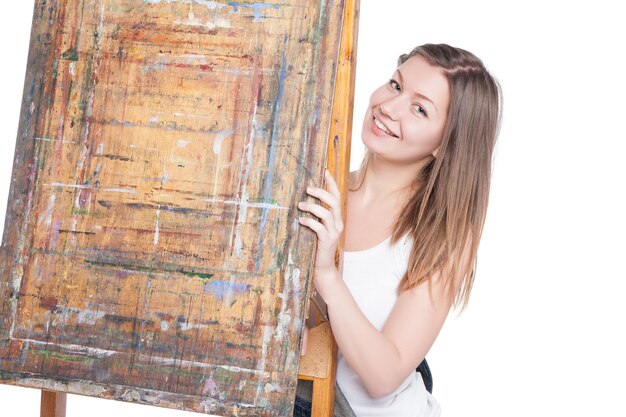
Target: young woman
{"x": 415, "y": 212}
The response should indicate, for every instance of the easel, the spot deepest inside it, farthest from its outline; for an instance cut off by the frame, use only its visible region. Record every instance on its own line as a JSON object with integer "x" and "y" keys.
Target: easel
{"x": 319, "y": 364}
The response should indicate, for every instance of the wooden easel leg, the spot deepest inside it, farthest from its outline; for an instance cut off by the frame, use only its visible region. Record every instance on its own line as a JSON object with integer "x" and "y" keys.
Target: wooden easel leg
{"x": 323, "y": 404}
{"x": 53, "y": 404}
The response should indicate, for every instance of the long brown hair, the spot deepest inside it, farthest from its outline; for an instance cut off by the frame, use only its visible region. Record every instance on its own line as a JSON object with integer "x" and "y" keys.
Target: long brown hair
{"x": 445, "y": 216}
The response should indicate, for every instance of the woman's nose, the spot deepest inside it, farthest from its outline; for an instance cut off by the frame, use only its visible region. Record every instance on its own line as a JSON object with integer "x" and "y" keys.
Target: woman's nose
{"x": 392, "y": 107}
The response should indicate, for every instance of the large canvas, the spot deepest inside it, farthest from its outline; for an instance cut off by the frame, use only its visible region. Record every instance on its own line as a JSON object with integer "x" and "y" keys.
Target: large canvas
{"x": 152, "y": 250}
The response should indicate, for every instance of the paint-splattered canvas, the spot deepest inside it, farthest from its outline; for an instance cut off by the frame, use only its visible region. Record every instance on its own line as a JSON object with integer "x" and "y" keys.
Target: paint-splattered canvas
{"x": 151, "y": 249}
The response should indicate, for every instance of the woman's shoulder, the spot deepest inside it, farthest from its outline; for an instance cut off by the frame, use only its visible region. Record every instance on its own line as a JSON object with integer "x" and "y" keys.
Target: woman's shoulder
{"x": 401, "y": 252}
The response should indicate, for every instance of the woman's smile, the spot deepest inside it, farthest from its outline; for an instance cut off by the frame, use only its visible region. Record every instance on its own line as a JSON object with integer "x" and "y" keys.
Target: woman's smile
{"x": 379, "y": 126}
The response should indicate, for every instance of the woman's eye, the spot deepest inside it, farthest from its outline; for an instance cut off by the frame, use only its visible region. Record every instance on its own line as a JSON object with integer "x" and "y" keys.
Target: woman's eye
{"x": 394, "y": 85}
{"x": 420, "y": 110}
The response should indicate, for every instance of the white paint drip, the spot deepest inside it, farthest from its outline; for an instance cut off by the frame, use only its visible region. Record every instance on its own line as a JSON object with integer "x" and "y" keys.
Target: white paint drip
{"x": 50, "y": 209}
{"x": 190, "y": 326}
{"x": 284, "y": 318}
{"x": 177, "y": 114}
{"x": 217, "y": 142}
{"x": 99, "y": 353}
{"x": 84, "y": 186}
{"x": 241, "y": 219}
{"x": 90, "y": 317}
{"x": 81, "y": 350}
{"x": 297, "y": 289}
{"x": 245, "y": 204}
{"x": 209, "y": 4}
{"x": 54, "y": 140}
{"x": 60, "y": 184}
{"x": 155, "y": 241}
{"x": 73, "y": 228}
{"x": 84, "y": 388}
{"x": 83, "y": 316}
{"x": 119, "y": 190}
{"x": 267, "y": 338}
{"x": 193, "y": 21}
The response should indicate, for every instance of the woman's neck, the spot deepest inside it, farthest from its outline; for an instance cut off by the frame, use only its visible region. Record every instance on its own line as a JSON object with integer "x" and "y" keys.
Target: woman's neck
{"x": 385, "y": 180}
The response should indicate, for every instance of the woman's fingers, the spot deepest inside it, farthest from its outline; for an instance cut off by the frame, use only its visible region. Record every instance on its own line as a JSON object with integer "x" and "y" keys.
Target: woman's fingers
{"x": 318, "y": 211}
{"x": 314, "y": 225}
{"x": 332, "y": 198}
{"x": 323, "y": 195}
{"x": 332, "y": 185}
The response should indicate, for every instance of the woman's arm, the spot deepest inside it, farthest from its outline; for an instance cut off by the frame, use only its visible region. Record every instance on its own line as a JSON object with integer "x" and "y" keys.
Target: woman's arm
{"x": 381, "y": 359}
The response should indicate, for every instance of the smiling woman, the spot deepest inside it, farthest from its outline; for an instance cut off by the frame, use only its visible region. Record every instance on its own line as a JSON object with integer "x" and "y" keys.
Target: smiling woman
{"x": 403, "y": 109}
{"x": 415, "y": 212}
{"x": 550, "y": 283}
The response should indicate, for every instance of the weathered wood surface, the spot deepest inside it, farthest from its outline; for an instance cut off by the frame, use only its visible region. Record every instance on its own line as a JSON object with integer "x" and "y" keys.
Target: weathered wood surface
{"x": 151, "y": 250}
{"x": 320, "y": 362}
{"x": 53, "y": 404}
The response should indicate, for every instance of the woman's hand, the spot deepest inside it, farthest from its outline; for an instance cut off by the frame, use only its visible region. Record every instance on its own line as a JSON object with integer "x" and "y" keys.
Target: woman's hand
{"x": 328, "y": 231}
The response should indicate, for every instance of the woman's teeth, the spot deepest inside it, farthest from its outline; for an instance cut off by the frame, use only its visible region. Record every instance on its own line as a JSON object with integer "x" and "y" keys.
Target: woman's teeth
{"x": 383, "y": 128}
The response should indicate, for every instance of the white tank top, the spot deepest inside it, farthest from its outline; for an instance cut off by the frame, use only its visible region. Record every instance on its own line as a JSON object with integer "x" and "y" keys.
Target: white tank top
{"x": 372, "y": 275}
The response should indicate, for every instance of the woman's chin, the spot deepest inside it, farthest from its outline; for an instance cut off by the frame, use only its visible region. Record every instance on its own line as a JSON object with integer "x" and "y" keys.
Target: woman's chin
{"x": 374, "y": 143}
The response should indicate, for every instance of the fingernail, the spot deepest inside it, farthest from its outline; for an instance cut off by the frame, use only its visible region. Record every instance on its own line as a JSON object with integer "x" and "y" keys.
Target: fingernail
{"x": 300, "y": 204}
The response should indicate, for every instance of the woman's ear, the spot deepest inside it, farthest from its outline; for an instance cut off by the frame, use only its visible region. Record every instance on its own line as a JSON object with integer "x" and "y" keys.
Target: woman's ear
{"x": 436, "y": 151}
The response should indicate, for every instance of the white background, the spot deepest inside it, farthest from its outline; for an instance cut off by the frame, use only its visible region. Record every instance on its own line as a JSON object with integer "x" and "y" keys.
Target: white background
{"x": 544, "y": 332}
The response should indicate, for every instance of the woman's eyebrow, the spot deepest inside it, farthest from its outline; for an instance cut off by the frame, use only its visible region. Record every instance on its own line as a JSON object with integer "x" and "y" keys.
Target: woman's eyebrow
{"x": 415, "y": 92}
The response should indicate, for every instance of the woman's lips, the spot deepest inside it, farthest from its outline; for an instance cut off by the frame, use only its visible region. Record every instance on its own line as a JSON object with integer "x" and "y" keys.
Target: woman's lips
{"x": 380, "y": 129}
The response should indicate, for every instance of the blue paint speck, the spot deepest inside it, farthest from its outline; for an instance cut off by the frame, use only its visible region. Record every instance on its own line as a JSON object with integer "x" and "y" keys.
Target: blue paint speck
{"x": 257, "y": 8}
{"x": 219, "y": 289}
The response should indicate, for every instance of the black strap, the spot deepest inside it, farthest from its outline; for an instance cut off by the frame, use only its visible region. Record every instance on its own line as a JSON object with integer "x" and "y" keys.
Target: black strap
{"x": 427, "y": 376}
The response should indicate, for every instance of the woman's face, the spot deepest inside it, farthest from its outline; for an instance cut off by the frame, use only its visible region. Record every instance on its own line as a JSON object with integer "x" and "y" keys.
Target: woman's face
{"x": 406, "y": 116}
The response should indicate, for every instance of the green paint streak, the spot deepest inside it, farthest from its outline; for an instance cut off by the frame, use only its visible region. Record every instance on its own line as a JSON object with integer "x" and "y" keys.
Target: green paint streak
{"x": 71, "y": 54}
{"x": 115, "y": 31}
{"x": 192, "y": 273}
{"x": 240, "y": 345}
{"x": 85, "y": 212}
{"x": 169, "y": 370}
{"x": 320, "y": 24}
{"x": 62, "y": 356}
{"x": 260, "y": 199}
{"x": 55, "y": 68}
{"x": 83, "y": 99}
